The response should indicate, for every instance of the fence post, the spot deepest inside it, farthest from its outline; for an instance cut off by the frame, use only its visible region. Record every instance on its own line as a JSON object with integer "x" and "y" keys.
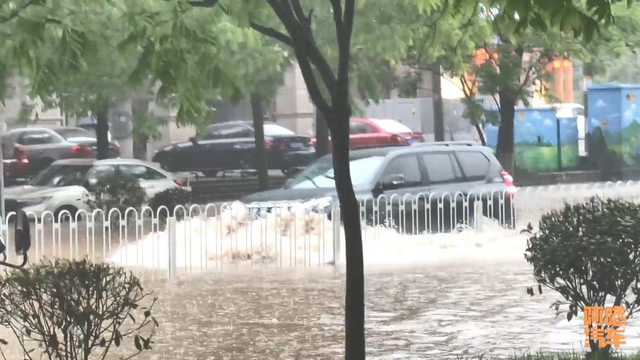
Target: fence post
{"x": 172, "y": 248}
{"x": 479, "y": 218}
{"x": 336, "y": 231}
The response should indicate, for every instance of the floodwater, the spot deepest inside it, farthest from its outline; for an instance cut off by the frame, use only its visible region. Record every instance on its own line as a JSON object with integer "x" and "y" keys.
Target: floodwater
{"x": 427, "y": 296}
{"x": 416, "y": 312}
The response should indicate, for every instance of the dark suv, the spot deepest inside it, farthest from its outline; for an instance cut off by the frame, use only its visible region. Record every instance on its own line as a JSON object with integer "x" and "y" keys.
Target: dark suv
{"x": 412, "y": 187}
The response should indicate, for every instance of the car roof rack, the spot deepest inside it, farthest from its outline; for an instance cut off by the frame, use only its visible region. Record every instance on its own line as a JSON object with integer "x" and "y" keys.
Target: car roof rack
{"x": 449, "y": 143}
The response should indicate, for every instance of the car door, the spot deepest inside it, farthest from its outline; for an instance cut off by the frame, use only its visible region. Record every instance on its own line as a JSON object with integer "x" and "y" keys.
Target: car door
{"x": 400, "y": 186}
{"x": 482, "y": 187}
{"x": 446, "y": 188}
{"x": 228, "y": 146}
{"x": 358, "y": 134}
{"x": 43, "y": 147}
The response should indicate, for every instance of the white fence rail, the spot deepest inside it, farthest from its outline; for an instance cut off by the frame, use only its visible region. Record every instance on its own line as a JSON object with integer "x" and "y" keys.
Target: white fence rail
{"x": 285, "y": 235}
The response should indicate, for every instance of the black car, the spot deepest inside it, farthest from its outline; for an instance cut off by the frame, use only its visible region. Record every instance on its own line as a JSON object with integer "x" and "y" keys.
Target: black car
{"x": 231, "y": 146}
{"x": 398, "y": 185}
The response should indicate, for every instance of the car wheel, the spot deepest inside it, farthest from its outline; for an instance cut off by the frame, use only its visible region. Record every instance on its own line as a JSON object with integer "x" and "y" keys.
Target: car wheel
{"x": 67, "y": 212}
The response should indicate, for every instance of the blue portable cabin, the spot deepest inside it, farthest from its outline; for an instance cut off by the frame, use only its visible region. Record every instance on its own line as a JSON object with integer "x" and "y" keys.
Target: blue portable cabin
{"x": 536, "y": 131}
{"x": 614, "y": 121}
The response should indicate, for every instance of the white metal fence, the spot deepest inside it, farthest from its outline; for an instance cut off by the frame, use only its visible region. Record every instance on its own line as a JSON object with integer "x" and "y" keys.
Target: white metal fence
{"x": 286, "y": 235}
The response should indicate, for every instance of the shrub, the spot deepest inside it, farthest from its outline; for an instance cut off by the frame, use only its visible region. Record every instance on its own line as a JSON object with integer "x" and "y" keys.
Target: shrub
{"x": 117, "y": 192}
{"x": 590, "y": 254}
{"x": 170, "y": 198}
{"x": 76, "y": 309}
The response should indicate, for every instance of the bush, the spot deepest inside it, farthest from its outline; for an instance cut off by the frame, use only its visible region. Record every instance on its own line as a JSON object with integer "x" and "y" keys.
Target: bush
{"x": 117, "y": 192}
{"x": 589, "y": 253}
{"x": 76, "y": 310}
{"x": 170, "y": 198}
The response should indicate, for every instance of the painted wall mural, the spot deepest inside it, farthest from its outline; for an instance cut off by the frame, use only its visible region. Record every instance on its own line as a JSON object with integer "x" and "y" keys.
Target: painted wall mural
{"x": 614, "y": 122}
{"x": 536, "y": 140}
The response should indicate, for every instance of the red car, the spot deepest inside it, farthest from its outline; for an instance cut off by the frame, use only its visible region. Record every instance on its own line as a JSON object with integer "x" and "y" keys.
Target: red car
{"x": 17, "y": 166}
{"x": 366, "y": 133}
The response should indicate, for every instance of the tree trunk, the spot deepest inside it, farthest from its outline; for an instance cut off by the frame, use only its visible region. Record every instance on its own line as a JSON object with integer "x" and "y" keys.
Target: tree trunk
{"x": 438, "y": 111}
{"x": 260, "y": 149}
{"x": 483, "y": 140}
{"x": 322, "y": 135}
{"x": 102, "y": 127}
{"x": 350, "y": 211}
{"x": 505, "y": 151}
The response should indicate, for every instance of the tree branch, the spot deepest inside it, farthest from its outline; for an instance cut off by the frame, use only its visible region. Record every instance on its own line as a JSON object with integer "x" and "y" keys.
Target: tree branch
{"x": 300, "y": 48}
{"x": 15, "y": 12}
{"x": 272, "y": 33}
{"x": 344, "y": 54}
{"x": 204, "y": 3}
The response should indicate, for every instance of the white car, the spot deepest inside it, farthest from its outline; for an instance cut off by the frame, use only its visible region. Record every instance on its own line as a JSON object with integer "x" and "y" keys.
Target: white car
{"x": 61, "y": 186}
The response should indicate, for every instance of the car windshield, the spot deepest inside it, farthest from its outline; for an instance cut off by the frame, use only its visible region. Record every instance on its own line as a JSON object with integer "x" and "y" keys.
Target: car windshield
{"x": 275, "y": 130}
{"x": 320, "y": 174}
{"x": 75, "y": 133}
{"x": 392, "y": 126}
{"x": 61, "y": 175}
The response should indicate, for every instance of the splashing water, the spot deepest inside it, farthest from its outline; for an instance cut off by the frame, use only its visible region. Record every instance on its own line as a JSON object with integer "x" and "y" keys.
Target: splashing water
{"x": 297, "y": 237}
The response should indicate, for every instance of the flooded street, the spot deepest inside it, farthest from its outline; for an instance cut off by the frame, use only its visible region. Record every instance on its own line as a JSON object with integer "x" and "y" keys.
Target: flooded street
{"x": 418, "y": 312}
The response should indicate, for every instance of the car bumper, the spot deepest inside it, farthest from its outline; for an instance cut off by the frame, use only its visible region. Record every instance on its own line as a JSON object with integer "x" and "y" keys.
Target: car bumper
{"x": 298, "y": 159}
{"x": 15, "y": 168}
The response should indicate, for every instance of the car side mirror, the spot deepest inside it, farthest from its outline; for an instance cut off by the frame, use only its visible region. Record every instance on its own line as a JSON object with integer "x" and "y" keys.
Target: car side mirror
{"x": 193, "y": 140}
{"x": 392, "y": 181}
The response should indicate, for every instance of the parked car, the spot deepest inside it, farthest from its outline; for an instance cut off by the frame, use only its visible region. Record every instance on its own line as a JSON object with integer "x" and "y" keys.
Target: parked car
{"x": 407, "y": 174}
{"x": 15, "y": 166}
{"x": 366, "y": 133}
{"x": 80, "y": 136}
{"x": 231, "y": 146}
{"x": 63, "y": 185}
{"x": 43, "y": 146}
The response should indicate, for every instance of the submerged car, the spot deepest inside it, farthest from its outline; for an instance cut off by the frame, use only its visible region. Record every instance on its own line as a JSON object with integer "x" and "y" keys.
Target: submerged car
{"x": 231, "y": 146}
{"x": 410, "y": 179}
{"x": 65, "y": 184}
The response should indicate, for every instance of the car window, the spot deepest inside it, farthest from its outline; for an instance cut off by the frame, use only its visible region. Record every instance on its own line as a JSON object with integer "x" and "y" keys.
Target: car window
{"x": 136, "y": 171}
{"x": 75, "y": 133}
{"x": 474, "y": 164}
{"x": 140, "y": 172}
{"x": 37, "y": 138}
{"x": 320, "y": 174}
{"x": 407, "y": 166}
{"x": 153, "y": 174}
{"x": 275, "y": 130}
{"x": 101, "y": 172}
{"x": 61, "y": 175}
{"x": 228, "y": 131}
{"x": 441, "y": 168}
{"x": 356, "y": 128}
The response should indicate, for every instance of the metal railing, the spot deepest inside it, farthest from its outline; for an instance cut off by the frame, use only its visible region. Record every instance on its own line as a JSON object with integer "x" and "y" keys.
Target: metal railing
{"x": 286, "y": 234}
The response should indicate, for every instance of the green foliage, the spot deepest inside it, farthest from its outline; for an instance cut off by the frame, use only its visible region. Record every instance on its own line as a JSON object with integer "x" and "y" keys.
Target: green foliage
{"x": 147, "y": 127}
{"x": 590, "y": 254}
{"x": 116, "y": 192}
{"x": 76, "y": 309}
{"x": 170, "y": 199}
